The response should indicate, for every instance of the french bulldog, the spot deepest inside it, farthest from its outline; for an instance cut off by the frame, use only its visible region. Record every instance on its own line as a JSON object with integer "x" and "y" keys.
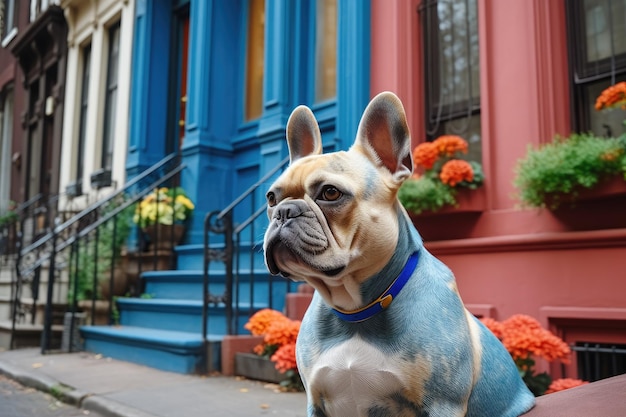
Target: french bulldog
{"x": 386, "y": 333}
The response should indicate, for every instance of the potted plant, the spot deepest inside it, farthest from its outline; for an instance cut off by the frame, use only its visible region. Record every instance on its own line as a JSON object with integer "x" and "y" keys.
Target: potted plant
{"x": 162, "y": 214}
{"x": 8, "y": 221}
{"x": 111, "y": 238}
{"x": 273, "y": 360}
{"x": 557, "y": 172}
{"x": 440, "y": 174}
{"x": 525, "y": 340}
{"x": 10, "y": 215}
{"x": 562, "y": 170}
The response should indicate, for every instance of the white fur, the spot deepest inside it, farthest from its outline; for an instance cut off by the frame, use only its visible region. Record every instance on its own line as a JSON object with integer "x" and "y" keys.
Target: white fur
{"x": 355, "y": 375}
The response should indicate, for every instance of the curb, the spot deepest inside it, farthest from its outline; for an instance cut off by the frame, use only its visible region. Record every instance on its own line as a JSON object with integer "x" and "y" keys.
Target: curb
{"x": 68, "y": 394}
{"x": 111, "y": 408}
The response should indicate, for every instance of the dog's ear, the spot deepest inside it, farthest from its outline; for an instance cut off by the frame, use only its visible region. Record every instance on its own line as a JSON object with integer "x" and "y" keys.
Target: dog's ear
{"x": 384, "y": 137}
{"x": 303, "y": 134}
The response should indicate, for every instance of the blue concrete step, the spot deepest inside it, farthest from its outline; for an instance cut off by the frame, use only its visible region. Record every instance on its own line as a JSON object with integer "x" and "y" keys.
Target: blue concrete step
{"x": 190, "y": 256}
{"x": 164, "y": 329}
{"x": 180, "y": 315}
{"x": 187, "y": 285}
{"x": 173, "y": 351}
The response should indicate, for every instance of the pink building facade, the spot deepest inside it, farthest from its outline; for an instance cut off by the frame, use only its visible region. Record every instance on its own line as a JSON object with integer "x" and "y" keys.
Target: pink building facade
{"x": 564, "y": 267}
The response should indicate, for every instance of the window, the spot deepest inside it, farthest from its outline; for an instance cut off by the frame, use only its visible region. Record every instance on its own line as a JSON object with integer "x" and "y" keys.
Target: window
{"x": 597, "y": 53}
{"x": 451, "y": 70}
{"x": 6, "y": 127}
{"x": 326, "y": 50}
{"x": 598, "y": 344}
{"x": 597, "y": 361}
{"x": 7, "y": 19}
{"x": 255, "y": 60}
{"x": 110, "y": 103}
{"x": 84, "y": 106}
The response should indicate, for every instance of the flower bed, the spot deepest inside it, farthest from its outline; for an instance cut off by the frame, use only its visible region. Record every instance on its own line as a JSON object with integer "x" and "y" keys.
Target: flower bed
{"x": 525, "y": 339}
{"x": 279, "y": 344}
{"x": 566, "y": 169}
{"x": 440, "y": 174}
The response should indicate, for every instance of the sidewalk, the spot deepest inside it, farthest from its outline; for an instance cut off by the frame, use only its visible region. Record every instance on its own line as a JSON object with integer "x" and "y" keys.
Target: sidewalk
{"x": 121, "y": 389}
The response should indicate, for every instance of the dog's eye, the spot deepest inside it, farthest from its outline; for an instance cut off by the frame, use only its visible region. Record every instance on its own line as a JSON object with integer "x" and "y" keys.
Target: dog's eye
{"x": 271, "y": 199}
{"x": 330, "y": 193}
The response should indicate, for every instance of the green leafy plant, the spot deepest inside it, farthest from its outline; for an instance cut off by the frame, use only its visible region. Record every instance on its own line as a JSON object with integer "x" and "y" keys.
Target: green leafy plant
{"x": 10, "y": 216}
{"x": 425, "y": 194}
{"x": 557, "y": 171}
{"x": 111, "y": 237}
{"x": 115, "y": 311}
{"x": 439, "y": 174}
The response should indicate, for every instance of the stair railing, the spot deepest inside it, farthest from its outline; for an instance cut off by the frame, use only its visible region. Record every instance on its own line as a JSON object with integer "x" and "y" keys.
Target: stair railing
{"x": 28, "y": 222}
{"x": 59, "y": 249}
{"x": 222, "y": 243}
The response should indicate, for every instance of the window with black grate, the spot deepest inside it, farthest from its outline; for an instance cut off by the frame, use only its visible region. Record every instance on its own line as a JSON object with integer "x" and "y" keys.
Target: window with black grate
{"x": 596, "y": 37}
{"x": 597, "y": 361}
{"x": 452, "y": 70}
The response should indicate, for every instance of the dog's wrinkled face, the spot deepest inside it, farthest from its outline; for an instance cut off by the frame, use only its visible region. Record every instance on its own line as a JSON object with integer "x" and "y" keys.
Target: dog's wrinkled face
{"x": 333, "y": 217}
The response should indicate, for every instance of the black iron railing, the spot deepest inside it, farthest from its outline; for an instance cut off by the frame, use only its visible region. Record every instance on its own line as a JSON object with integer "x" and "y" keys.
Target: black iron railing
{"x": 223, "y": 243}
{"x": 84, "y": 252}
{"x": 26, "y": 223}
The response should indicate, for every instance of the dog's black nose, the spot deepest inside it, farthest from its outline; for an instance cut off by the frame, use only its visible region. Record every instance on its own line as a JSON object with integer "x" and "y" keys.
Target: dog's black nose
{"x": 289, "y": 210}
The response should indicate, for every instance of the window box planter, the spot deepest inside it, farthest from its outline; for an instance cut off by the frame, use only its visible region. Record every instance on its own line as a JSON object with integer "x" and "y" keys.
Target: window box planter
{"x": 468, "y": 201}
{"x": 567, "y": 171}
{"x": 599, "y": 207}
{"x": 606, "y": 189}
{"x": 452, "y": 222}
{"x": 101, "y": 178}
{"x": 74, "y": 189}
{"x": 257, "y": 367}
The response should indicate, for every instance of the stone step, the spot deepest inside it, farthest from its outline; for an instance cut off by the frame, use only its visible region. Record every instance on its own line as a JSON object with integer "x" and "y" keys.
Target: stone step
{"x": 168, "y": 350}
{"x": 27, "y": 335}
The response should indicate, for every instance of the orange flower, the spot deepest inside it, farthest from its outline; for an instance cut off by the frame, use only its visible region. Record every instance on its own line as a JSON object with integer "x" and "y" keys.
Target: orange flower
{"x": 613, "y": 96}
{"x": 611, "y": 155}
{"x": 523, "y": 336}
{"x": 282, "y": 332}
{"x": 285, "y": 358}
{"x": 563, "y": 384}
{"x": 493, "y": 325}
{"x": 425, "y": 155}
{"x": 449, "y": 144}
{"x": 456, "y": 171}
{"x": 262, "y": 319}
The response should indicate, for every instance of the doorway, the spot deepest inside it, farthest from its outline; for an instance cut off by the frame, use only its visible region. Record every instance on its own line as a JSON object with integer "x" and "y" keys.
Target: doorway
{"x": 178, "y": 95}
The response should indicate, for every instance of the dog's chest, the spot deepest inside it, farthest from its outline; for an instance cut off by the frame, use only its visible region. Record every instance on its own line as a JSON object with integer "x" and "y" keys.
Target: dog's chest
{"x": 356, "y": 376}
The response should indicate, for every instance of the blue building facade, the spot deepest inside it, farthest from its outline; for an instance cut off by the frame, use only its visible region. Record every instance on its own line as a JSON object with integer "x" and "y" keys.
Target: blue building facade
{"x": 217, "y": 80}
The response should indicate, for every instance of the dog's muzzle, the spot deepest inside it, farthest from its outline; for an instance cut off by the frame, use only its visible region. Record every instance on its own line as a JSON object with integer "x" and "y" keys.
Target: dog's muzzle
{"x": 295, "y": 235}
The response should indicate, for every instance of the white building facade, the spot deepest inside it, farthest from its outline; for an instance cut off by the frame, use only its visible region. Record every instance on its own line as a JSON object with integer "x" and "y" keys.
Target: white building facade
{"x": 95, "y": 128}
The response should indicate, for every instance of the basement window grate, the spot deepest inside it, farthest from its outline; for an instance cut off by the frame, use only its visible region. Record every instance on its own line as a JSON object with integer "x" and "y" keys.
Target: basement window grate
{"x": 597, "y": 361}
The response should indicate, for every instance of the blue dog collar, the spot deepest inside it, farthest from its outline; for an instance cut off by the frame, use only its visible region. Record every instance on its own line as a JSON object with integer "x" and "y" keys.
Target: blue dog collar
{"x": 385, "y": 299}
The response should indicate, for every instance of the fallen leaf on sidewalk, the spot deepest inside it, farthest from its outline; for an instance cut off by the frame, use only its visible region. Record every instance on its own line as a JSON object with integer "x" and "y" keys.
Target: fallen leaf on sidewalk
{"x": 264, "y": 406}
{"x": 243, "y": 390}
{"x": 37, "y": 365}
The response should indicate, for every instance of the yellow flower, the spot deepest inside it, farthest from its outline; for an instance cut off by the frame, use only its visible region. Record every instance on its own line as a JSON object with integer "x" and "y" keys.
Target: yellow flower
{"x": 181, "y": 199}
{"x": 163, "y": 205}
